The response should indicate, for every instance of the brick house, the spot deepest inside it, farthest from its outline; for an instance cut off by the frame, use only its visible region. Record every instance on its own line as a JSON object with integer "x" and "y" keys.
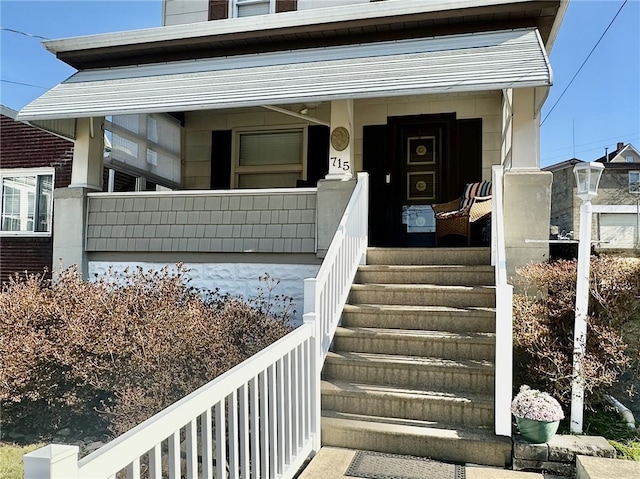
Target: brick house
{"x": 32, "y": 163}
{"x": 615, "y": 208}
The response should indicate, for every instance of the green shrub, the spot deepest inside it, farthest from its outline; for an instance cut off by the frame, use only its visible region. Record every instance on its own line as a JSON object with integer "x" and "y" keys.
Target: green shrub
{"x": 543, "y": 325}
{"x": 114, "y": 351}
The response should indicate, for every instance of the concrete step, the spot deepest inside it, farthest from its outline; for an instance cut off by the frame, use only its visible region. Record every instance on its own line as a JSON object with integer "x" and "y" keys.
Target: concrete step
{"x": 412, "y": 342}
{"x": 410, "y": 371}
{"x": 447, "y": 275}
{"x": 423, "y": 294}
{"x": 433, "y": 318}
{"x": 466, "y": 409}
{"x": 588, "y": 467}
{"x": 426, "y": 256}
{"x": 416, "y": 438}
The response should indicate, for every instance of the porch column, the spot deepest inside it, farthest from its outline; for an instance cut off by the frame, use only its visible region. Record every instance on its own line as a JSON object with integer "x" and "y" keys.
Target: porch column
{"x": 334, "y": 192}
{"x": 525, "y": 150}
{"x": 527, "y": 190}
{"x": 341, "y": 147}
{"x": 88, "y": 151}
{"x": 69, "y": 218}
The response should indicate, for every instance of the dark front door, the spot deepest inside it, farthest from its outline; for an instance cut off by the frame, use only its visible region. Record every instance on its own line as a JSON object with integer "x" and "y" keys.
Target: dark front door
{"x": 414, "y": 162}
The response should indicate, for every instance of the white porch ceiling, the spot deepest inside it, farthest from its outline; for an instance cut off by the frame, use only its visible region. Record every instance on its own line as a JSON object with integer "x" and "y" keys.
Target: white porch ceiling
{"x": 446, "y": 64}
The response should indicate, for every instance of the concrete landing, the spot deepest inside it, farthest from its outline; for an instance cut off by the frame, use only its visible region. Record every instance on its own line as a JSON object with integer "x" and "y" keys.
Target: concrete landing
{"x": 588, "y": 467}
{"x": 332, "y": 462}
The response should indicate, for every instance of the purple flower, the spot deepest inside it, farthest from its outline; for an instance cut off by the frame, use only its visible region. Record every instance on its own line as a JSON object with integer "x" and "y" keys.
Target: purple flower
{"x": 533, "y": 404}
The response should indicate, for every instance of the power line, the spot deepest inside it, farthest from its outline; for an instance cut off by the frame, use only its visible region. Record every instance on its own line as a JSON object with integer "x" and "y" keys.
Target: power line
{"x": 23, "y": 84}
{"x": 583, "y": 63}
{"x": 4, "y": 29}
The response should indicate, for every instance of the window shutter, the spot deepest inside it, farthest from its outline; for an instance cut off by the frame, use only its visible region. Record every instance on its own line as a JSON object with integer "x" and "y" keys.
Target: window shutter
{"x": 286, "y": 5}
{"x": 218, "y": 9}
{"x": 317, "y": 153}
{"x": 221, "y": 159}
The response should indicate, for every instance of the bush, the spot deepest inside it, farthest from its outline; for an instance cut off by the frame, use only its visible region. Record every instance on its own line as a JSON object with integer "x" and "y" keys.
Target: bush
{"x": 543, "y": 325}
{"x": 115, "y": 351}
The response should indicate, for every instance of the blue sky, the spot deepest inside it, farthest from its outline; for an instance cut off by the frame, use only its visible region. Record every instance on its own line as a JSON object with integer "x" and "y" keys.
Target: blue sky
{"x": 600, "y": 108}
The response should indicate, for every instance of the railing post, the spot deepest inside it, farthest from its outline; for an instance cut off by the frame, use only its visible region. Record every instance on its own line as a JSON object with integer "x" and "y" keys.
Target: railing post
{"x": 503, "y": 360}
{"x": 52, "y": 462}
{"x": 314, "y": 382}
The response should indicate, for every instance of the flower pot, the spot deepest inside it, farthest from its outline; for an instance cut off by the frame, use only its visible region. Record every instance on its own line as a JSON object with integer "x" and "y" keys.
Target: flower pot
{"x": 536, "y": 432}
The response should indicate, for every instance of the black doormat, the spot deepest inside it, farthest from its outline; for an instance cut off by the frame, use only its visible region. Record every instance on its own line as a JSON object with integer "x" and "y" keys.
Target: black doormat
{"x": 377, "y": 465}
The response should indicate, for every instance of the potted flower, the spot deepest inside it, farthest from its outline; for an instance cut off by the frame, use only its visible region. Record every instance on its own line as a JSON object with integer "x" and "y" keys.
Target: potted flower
{"x": 537, "y": 414}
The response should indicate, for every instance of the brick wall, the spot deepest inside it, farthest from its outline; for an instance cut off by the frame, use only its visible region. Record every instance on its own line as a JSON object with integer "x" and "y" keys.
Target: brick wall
{"x": 23, "y": 146}
{"x": 236, "y": 221}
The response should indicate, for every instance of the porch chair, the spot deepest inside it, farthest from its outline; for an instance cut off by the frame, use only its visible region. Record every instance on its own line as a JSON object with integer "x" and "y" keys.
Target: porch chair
{"x": 457, "y": 216}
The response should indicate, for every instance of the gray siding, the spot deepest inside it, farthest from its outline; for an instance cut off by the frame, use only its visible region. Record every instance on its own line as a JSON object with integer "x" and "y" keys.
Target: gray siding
{"x": 283, "y": 222}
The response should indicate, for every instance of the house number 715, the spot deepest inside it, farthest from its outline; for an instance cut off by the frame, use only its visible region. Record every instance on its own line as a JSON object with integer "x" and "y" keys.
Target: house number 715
{"x": 340, "y": 164}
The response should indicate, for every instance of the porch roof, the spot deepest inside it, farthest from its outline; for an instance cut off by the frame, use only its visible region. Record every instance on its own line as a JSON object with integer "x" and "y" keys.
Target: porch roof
{"x": 444, "y": 64}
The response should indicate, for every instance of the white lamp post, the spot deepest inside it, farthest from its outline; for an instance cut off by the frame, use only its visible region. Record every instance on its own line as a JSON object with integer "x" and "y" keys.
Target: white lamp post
{"x": 587, "y": 179}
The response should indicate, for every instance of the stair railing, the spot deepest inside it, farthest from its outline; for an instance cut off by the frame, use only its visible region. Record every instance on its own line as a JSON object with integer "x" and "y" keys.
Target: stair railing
{"x": 260, "y": 418}
{"x": 326, "y": 294}
{"x": 504, "y": 310}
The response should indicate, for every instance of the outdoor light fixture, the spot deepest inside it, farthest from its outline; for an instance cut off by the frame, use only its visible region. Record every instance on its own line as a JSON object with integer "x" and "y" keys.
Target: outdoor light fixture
{"x": 587, "y": 179}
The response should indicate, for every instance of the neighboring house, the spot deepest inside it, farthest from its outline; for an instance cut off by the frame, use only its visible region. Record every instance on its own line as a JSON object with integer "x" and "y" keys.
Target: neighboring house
{"x": 616, "y": 217}
{"x": 32, "y": 163}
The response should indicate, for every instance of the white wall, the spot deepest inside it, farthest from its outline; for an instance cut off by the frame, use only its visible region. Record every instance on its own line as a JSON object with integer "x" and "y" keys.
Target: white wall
{"x": 190, "y": 11}
{"x": 177, "y": 12}
{"x": 239, "y": 279}
{"x": 309, "y": 4}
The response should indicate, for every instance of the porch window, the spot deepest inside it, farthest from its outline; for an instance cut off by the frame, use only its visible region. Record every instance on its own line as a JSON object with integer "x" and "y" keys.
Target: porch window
{"x": 27, "y": 201}
{"x": 269, "y": 159}
{"x": 145, "y": 146}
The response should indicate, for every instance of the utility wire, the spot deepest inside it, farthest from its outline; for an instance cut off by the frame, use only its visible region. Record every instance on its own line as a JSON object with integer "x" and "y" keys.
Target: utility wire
{"x": 583, "y": 63}
{"x": 23, "y": 84}
{"x": 4, "y": 29}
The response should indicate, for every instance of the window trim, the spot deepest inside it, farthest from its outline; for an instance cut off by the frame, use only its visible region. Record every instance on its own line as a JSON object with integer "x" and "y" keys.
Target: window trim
{"x": 237, "y": 170}
{"x": 38, "y": 171}
{"x": 233, "y": 6}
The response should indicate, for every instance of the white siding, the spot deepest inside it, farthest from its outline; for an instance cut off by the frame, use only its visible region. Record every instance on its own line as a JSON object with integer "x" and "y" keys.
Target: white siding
{"x": 185, "y": 11}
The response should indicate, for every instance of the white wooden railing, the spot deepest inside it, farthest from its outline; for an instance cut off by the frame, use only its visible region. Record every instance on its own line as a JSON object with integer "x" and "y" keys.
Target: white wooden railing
{"x": 260, "y": 419}
{"x": 504, "y": 310}
{"x": 326, "y": 294}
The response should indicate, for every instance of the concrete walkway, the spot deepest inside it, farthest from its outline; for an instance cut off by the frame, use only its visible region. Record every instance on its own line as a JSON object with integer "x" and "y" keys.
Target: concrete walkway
{"x": 331, "y": 463}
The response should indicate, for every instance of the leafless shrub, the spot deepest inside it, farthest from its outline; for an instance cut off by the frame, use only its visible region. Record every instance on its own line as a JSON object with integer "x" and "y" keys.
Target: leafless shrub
{"x": 543, "y": 325}
{"x": 119, "y": 349}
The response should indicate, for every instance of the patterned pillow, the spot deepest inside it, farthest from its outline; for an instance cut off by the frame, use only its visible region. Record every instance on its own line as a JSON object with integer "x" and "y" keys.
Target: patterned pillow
{"x": 471, "y": 190}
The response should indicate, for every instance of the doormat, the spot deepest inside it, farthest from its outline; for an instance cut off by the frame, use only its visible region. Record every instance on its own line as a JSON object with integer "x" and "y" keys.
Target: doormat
{"x": 377, "y": 465}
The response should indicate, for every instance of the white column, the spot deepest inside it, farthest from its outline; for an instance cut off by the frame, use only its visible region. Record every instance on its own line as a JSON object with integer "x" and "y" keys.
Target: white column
{"x": 341, "y": 147}
{"x": 88, "y": 153}
{"x": 525, "y": 149}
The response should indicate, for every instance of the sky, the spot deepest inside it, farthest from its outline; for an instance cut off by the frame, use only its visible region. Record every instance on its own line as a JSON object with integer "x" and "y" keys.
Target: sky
{"x": 580, "y": 118}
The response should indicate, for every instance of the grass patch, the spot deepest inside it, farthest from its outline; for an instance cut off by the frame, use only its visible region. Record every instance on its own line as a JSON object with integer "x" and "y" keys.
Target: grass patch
{"x": 608, "y": 424}
{"x": 11, "y": 466}
{"x": 629, "y": 450}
